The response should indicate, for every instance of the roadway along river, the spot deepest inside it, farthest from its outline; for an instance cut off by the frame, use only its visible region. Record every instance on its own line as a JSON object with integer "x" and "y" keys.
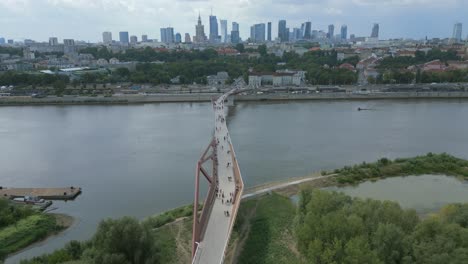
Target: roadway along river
{"x": 139, "y": 160}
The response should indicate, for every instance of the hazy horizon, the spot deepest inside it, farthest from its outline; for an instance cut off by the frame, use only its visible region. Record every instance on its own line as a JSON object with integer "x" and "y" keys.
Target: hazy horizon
{"x": 86, "y": 19}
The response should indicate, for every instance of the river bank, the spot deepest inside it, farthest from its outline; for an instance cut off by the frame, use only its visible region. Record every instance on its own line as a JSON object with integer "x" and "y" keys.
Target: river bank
{"x": 22, "y": 241}
{"x": 207, "y": 97}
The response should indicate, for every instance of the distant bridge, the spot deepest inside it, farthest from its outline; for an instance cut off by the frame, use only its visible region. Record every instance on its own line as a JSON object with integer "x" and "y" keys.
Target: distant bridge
{"x": 218, "y": 165}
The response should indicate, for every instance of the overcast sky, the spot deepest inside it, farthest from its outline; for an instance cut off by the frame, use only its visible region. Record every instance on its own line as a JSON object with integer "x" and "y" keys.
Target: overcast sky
{"x": 87, "y": 19}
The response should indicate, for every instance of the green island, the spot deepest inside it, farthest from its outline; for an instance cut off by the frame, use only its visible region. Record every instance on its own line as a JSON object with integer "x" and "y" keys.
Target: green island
{"x": 323, "y": 227}
{"x": 21, "y": 226}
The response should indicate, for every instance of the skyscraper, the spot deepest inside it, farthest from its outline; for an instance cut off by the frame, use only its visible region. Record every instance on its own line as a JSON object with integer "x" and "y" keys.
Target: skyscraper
{"x": 297, "y": 34}
{"x": 331, "y": 31}
{"x": 257, "y": 33}
{"x": 123, "y": 37}
{"x": 235, "y": 26}
{"x": 69, "y": 42}
{"x": 269, "y": 32}
{"x": 167, "y": 35}
{"x": 344, "y": 32}
{"x": 200, "y": 36}
{"x": 224, "y": 31}
{"x": 308, "y": 30}
{"x": 178, "y": 38}
{"x": 144, "y": 38}
{"x": 107, "y": 37}
{"x": 375, "y": 31}
{"x": 213, "y": 29}
{"x": 2, "y": 41}
{"x": 235, "y": 37}
{"x": 53, "y": 41}
{"x": 457, "y": 32}
{"x": 187, "y": 38}
{"x": 283, "y": 32}
{"x": 133, "y": 39}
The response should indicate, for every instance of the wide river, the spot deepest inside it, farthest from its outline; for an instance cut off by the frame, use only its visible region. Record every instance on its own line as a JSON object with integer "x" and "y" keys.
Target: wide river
{"x": 139, "y": 160}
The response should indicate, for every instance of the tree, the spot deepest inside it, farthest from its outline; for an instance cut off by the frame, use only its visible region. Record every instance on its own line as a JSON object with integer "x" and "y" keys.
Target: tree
{"x": 262, "y": 49}
{"x": 125, "y": 239}
{"x": 240, "y": 47}
{"x": 59, "y": 87}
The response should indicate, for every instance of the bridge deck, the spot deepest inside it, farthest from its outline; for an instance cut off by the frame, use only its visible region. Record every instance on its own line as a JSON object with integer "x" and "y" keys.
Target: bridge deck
{"x": 219, "y": 226}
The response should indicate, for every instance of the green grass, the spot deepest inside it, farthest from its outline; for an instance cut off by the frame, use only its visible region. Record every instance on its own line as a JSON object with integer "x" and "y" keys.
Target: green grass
{"x": 159, "y": 220}
{"x": 25, "y": 232}
{"x": 270, "y": 239}
{"x": 427, "y": 164}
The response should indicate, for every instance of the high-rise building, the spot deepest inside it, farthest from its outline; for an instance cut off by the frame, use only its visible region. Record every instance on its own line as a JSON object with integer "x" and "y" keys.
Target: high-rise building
{"x": 11, "y": 41}
{"x": 187, "y": 38}
{"x": 167, "y": 35}
{"x": 214, "y": 37}
{"x": 269, "y": 31}
{"x": 257, "y": 33}
{"x": 178, "y": 38}
{"x": 235, "y": 37}
{"x": 2, "y": 41}
{"x": 457, "y": 32}
{"x": 297, "y": 34}
{"x": 200, "y": 36}
{"x": 315, "y": 34}
{"x": 69, "y": 46}
{"x": 224, "y": 31}
{"x": 133, "y": 39}
{"x": 107, "y": 37}
{"x": 283, "y": 32}
{"x": 375, "y": 31}
{"x": 69, "y": 42}
{"x": 144, "y": 38}
{"x": 331, "y": 31}
{"x": 53, "y": 41}
{"x": 308, "y": 30}
{"x": 123, "y": 37}
{"x": 344, "y": 32}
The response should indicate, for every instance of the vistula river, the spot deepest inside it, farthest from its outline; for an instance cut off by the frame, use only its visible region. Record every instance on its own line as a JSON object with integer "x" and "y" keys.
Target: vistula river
{"x": 139, "y": 160}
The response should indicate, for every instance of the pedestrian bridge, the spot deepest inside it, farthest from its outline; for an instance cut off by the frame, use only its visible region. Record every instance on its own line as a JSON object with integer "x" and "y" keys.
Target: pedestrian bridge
{"x": 218, "y": 165}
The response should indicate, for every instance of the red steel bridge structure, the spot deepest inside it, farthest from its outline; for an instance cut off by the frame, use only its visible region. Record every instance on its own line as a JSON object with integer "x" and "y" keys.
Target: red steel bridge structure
{"x": 212, "y": 226}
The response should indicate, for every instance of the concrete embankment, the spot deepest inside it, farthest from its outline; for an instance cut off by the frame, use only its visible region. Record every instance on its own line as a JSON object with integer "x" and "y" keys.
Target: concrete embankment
{"x": 173, "y": 98}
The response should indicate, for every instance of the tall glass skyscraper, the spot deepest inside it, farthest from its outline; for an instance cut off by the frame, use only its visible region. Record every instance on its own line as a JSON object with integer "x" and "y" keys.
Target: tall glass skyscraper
{"x": 235, "y": 38}
{"x": 269, "y": 32}
{"x": 331, "y": 31}
{"x": 457, "y": 32}
{"x": 213, "y": 29}
{"x": 344, "y": 32}
{"x": 283, "y": 32}
{"x": 224, "y": 33}
{"x": 375, "y": 31}
{"x": 123, "y": 37}
{"x": 308, "y": 30}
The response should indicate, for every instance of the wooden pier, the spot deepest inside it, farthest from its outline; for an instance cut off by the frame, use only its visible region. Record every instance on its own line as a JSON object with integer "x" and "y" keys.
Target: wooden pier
{"x": 68, "y": 193}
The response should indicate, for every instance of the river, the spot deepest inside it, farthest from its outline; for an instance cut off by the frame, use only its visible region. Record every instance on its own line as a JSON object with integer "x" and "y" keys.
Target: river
{"x": 139, "y": 160}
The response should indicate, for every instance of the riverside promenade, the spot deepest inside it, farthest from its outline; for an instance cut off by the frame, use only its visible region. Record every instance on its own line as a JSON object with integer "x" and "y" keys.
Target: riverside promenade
{"x": 222, "y": 209}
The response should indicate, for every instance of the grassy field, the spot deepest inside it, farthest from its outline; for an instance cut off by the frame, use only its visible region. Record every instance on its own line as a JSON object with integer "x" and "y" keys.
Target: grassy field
{"x": 265, "y": 231}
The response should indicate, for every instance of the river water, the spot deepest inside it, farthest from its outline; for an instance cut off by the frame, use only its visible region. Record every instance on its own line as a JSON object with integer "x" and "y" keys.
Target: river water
{"x": 140, "y": 160}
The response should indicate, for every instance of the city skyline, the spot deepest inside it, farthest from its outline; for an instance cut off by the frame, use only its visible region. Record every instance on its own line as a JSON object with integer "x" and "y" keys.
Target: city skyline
{"x": 134, "y": 17}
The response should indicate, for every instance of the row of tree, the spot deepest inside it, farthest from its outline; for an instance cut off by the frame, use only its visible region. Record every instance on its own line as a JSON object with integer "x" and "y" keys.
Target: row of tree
{"x": 398, "y": 76}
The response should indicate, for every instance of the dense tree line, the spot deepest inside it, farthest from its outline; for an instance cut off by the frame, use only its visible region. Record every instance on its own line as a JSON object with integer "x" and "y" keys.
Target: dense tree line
{"x": 10, "y": 214}
{"x": 335, "y": 228}
{"x": 11, "y": 50}
{"x": 38, "y": 79}
{"x": 122, "y": 241}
